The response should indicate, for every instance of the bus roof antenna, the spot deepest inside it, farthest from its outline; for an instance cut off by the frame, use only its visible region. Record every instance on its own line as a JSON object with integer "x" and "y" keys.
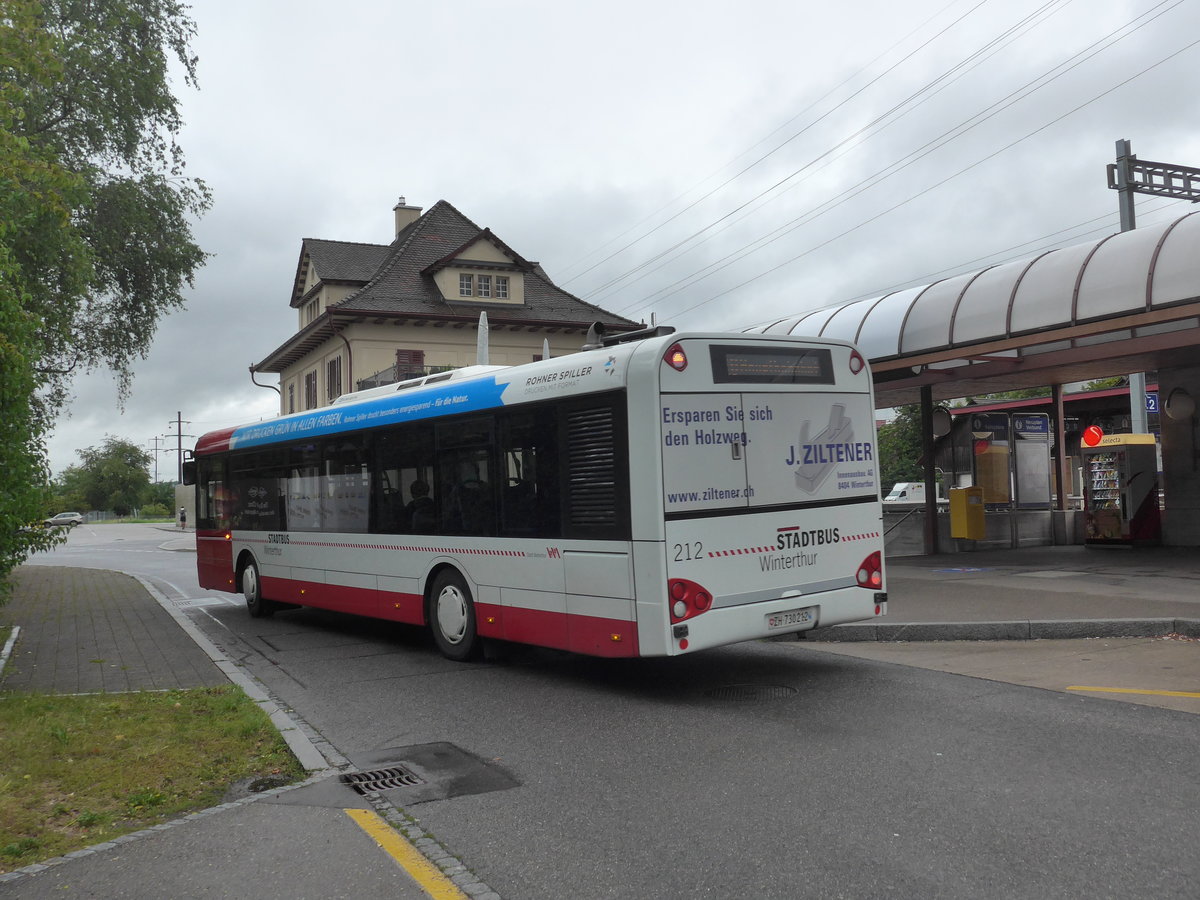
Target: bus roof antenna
{"x": 595, "y": 337}
{"x": 481, "y": 342}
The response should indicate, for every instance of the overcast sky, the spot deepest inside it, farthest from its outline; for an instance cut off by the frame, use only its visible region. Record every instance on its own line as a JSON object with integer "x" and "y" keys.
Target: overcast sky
{"x": 716, "y": 164}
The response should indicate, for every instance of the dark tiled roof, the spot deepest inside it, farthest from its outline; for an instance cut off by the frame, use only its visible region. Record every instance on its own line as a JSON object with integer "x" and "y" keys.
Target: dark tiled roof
{"x": 343, "y": 261}
{"x": 337, "y": 262}
{"x": 399, "y": 287}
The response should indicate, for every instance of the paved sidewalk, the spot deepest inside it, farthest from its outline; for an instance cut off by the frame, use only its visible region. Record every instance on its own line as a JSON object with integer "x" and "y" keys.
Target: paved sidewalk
{"x": 86, "y": 631}
{"x": 1037, "y": 592}
{"x": 93, "y": 630}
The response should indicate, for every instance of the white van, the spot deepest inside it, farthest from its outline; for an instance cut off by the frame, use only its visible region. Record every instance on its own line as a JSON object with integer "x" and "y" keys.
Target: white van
{"x": 909, "y": 493}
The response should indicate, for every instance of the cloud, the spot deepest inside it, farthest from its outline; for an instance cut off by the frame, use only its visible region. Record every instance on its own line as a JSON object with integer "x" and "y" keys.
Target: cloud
{"x": 573, "y": 131}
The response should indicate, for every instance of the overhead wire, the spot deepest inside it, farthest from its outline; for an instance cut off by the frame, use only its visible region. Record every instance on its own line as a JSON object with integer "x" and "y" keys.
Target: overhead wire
{"x": 945, "y": 180}
{"x": 1051, "y": 241}
{"x": 780, "y": 146}
{"x": 887, "y": 171}
{"x": 829, "y": 93}
{"x": 827, "y": 157}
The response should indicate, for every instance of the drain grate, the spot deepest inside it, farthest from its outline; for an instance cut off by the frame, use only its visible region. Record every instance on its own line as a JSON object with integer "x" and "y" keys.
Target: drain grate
{"x": 750, "y": 693}
{"x": 381, "y": 779}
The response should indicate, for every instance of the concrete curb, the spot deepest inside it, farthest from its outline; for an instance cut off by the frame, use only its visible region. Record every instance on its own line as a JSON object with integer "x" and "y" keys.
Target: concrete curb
{"x": 35, "y": 868}
{"x": 1021, "y": 630}
{"x": 313, "y": 760}
{"x": 8, "y": 648}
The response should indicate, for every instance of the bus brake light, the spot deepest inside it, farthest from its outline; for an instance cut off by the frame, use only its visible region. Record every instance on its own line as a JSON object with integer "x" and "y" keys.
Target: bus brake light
{"x": 870, "y": 571}
{"x": 676, "y": 358}
{"x": 857, "y": 363}
{"x": 688, "y": 599}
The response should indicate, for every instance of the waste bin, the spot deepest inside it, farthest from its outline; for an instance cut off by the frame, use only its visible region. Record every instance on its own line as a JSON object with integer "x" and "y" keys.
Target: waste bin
{"x": 966, "y": 513}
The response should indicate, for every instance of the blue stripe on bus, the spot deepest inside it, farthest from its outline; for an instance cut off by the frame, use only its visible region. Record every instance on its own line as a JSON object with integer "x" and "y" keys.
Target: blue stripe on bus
{"x": 403, "y": 406}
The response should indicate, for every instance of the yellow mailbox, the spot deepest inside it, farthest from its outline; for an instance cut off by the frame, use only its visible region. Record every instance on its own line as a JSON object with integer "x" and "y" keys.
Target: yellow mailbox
{"x": 966, "y": 513}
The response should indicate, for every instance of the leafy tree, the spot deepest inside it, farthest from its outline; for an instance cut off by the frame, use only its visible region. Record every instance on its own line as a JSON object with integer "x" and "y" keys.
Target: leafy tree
{"x": 1019, "y": 394}
{"x": 162, "y": 494}
{"x": 70, "y": 490}
{"x": 1103, "y": 384}
{"x": 900, "y": 447}
{"x": 95, "y": 212}
{"x": 113, "y": 476}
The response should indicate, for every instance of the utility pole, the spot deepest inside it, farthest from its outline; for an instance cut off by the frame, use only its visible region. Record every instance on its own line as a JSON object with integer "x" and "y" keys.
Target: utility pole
{"x": 156, "y": 440}
{"x": 1128, "y": 176}
{"x": 178, "y": 434}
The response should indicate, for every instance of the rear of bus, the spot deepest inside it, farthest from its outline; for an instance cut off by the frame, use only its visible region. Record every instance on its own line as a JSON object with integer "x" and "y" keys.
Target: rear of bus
{"x": 770, "y": 503}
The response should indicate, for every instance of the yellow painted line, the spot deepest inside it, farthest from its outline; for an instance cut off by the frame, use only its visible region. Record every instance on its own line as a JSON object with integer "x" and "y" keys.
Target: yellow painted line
{"x": 1107, "y": 690}
{"x": 431, "y": 879}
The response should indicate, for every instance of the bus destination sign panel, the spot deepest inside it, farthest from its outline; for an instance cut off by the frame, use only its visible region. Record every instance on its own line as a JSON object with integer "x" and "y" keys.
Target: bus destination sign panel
{"x": 771, "y": 365}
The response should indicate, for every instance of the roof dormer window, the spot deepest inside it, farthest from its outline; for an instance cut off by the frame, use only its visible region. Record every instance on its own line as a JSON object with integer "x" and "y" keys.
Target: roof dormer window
{"x": 466, "y": 285}
{"x": 485, "y": 285}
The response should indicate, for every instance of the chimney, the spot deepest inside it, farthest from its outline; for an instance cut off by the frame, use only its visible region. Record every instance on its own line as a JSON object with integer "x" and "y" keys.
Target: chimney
{"x": 405, "y": 215}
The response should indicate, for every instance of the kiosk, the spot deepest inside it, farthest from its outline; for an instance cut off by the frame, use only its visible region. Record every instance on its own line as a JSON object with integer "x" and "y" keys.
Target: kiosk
{"x": 1120, "y": 491}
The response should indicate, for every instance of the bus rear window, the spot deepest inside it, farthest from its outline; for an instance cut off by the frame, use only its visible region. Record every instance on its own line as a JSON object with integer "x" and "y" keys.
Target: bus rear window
{"x": 771, "y": 365}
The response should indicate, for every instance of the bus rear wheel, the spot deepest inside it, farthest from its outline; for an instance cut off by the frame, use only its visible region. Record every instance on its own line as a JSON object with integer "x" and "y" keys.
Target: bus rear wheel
{"x": 452, "y": 618}
{"x": 257, "y": 605}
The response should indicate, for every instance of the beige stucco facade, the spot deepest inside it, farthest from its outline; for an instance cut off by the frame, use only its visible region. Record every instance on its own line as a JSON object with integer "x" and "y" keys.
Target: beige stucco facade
{"x": 368, "y": 349}
{"x": 382, "y": 311}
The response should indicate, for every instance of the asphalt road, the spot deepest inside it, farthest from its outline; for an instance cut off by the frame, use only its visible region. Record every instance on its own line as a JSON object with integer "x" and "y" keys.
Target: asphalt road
{"x": 772, "y": 769}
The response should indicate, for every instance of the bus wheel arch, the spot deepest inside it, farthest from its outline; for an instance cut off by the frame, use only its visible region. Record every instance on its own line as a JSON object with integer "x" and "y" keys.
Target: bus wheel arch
{"x": 250, "y": 581}
{"x": 450, "y": 614}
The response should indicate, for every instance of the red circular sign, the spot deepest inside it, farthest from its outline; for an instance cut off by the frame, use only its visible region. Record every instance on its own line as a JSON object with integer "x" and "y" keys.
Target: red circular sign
{"x": 1092, "y": 435}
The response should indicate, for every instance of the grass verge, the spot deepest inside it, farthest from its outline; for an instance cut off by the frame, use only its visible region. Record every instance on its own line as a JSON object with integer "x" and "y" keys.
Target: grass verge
{"x": 78, "y": 771}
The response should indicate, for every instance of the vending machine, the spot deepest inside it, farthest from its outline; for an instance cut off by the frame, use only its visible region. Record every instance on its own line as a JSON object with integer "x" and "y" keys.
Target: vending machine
{"x": 1120, "y": 491}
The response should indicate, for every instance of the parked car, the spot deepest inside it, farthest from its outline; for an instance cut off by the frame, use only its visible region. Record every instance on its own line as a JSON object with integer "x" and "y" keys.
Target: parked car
{"x": 69, "y": 519}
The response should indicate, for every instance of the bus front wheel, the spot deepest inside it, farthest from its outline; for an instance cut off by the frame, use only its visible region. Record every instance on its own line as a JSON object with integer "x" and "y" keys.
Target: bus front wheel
{"x": 257, "y": 605}
{"x": 452, "y": 618}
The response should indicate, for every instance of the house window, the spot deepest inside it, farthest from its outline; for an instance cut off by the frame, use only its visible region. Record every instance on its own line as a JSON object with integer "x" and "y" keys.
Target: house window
{"x": 465, "y": 285}
{"x": 409, "y": 364}
{"x": 501, "y": 287}
{"x": 291, "y": 398}
{"x": 333, "y": 379}
{"x": 485, "y": 285}
{"x": 310, "y": 390}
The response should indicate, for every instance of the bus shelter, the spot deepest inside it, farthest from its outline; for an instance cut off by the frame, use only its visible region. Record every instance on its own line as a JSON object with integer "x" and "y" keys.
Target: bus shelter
{"x": 1126, "y": 303}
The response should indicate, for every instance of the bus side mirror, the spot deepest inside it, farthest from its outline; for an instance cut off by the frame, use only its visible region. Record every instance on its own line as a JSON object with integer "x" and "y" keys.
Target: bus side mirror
{"x": 189, "y": 471}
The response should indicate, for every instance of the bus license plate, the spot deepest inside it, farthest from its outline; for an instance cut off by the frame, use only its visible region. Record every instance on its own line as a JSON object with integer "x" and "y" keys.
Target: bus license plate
{"x": 791, "y": 618}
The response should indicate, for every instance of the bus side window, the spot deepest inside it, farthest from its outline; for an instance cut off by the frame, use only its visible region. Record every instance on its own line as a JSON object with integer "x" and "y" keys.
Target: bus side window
{"x": 529, "y": 493}
{"x": 402, "y": 480}
{"x": 256, "y": 482}
{"x": 345, "y": 485}
{"x": 212, "y": 494}
{"x": 467, "y": 500}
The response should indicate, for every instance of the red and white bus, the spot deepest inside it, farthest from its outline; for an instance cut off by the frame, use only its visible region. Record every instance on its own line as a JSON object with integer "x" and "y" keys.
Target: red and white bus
{"x": 659, "y": 494}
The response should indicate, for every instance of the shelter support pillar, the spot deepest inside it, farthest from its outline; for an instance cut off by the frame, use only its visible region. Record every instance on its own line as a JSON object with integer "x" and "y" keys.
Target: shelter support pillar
{"x": 927, "y": 453}
{"x": 1180, "y": 432}
{"x": 1062, "y": 470}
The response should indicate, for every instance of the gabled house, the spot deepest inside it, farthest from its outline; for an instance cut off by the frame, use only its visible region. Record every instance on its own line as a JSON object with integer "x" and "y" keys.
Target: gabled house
{"x": 370, "y": 314}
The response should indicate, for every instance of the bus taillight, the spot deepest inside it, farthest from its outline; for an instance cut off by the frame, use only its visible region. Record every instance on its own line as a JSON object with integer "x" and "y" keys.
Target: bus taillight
{"x": 675, "y": 358}
{"x": 870, "y": 571}
{"x": 857, "y": 363}
{"x": 688, "y": 599}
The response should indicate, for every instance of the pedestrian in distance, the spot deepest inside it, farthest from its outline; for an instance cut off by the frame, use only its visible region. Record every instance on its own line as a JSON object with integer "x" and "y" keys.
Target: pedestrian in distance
{"x": 182, "y": 519}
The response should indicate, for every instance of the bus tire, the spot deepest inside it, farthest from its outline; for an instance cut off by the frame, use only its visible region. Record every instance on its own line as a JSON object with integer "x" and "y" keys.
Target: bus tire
{"x": 452, "y": 617}
{"x": 257, "y": 605}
